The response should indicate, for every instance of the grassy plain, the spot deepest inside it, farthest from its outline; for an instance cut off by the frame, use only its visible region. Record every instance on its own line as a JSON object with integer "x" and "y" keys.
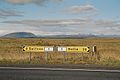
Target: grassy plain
{"x": 108, "y": 51}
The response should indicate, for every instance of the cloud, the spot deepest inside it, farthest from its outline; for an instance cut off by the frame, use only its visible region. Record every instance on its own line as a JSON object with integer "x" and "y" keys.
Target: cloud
{"x": 107, "y": 31}
{"x": 26, "y": 1}
{"x": 9, "y": 28}
{"x": 80, "y": 9}
{"x": 66, "y": 26}
{"x": 5, "y": 13}
{"x": 108, "y": 27}
{"x": 64, "y": 22}
{"x": 22, "y": 2}
{"x": 57, "y": 0}
{"x": 50, "y": 27}
{"x": 107, "y": 23}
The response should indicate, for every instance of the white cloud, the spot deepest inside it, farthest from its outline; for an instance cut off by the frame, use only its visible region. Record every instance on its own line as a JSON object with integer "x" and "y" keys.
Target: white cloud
{"x": 64, "y": 22}
{"x": 65, "y": 26}
{"x": 80, "y": 9}
{"x": 107, "y": 23}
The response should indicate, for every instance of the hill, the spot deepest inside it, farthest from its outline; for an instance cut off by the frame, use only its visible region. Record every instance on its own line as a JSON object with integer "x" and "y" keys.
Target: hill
{"x": 20, "y": 35}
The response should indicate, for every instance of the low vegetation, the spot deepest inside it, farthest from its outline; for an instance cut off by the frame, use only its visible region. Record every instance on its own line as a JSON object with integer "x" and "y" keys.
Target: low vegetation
{"x": 108, "y": 51}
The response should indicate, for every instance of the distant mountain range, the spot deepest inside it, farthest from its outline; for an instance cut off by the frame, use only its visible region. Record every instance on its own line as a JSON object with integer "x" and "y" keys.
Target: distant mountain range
{"x": 31, "y": 35}
{"x": 71, "y": 36}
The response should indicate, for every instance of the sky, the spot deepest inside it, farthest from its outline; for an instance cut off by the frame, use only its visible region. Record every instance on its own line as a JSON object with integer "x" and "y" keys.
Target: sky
{"x": 60, "y": 17}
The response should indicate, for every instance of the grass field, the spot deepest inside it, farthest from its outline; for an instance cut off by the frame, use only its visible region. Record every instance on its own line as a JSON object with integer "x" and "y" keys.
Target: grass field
{"x": 108, "y": 51}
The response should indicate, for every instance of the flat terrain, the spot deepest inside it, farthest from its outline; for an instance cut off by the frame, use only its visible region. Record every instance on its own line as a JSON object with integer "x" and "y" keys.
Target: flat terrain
{"x": 108, "y": 51}
{"x": 42, "y": 74}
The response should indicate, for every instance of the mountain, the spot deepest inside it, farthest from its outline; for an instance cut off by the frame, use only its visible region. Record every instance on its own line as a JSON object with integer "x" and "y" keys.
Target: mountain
{"x": 20, "y": 35}
{"x": 81, "y": 36}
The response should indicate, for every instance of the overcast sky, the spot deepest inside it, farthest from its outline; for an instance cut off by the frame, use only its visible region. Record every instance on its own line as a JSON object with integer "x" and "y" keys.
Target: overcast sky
{"x": 55, "y": 17}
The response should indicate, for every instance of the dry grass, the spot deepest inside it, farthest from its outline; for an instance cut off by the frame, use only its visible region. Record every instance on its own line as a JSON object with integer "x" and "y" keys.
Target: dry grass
{"x": 108, "y": 49}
